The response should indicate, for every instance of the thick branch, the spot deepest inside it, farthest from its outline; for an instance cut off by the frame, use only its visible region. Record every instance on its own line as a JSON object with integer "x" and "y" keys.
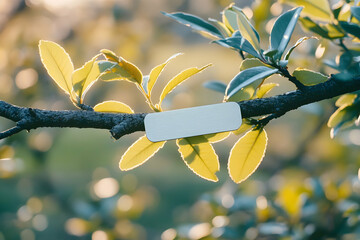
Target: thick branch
{"x": 121, "y": 124}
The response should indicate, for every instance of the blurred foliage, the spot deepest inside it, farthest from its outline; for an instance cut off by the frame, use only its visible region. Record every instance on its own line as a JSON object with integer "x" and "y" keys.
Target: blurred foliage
{"x": 65, "y": 184}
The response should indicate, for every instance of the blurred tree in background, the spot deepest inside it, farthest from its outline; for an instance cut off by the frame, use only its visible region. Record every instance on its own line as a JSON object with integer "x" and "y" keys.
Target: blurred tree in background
{"x": 65, "y": 184}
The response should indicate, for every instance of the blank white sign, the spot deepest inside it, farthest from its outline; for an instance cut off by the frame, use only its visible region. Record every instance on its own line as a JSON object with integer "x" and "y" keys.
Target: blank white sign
{"x": 189, "y": 122}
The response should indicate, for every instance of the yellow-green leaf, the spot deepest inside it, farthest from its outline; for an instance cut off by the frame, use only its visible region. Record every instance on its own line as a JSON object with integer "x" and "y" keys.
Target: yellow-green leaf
{"x": 181, "y": 77}
{"x": 222, "y": 27}
{"x": 83, "y": 78}
{"x": 199, "y": 156}
{"x": 243, "y": 128}
{"x": 124, "y": 70}
{"x": 57, "y": 63}
{"x": 319, "y": 9}
{"x": 247, "y": 154}
{"x": 229, "y": 19}
{"x": 216, "y": 137}
{"x": 337, "y": 117}
{"x": 346, "y": 99}
{"x": 110, "y": 55}
{"x": 309, "y": 77}
{"x": 247, "y": 30}
{"x": 155, "y": 72}
{"x": 131, "y": 72}
{"x": 252, "y": 62}
{"x": 264, "y": 89}
{"x": 113, "y": 106}
{"x": 139, "y": 152}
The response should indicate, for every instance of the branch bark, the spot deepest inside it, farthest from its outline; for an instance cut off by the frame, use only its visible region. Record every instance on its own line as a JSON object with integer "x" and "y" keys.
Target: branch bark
{"x": 122, "y": 124}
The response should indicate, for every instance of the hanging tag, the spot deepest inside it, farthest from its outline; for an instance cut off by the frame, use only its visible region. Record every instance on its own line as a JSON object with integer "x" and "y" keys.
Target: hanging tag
{"x": 189, "y": 122}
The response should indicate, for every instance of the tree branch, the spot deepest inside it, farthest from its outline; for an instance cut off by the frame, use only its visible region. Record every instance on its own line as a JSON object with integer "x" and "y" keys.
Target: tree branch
{"x": 122, "y": 124}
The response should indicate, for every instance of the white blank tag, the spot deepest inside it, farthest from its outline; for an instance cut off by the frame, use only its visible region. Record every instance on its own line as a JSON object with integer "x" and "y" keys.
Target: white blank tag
{"x": 189, "y": 122}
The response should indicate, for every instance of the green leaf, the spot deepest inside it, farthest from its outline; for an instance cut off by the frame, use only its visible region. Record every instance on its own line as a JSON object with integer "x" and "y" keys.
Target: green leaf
{"x": 233, "y": 42}
{"x": 246, "y": 77}
{"x": 216, "y": 86}
{"x": 57, "y": 63}
{"x": 139, "y": 152}
{"x": 264, "y": 89}
{"x": 247, "y": 154}
{"x": 319, "y": 9}
{"x": 84, "y": 77}
{"x": 154, "y": 74}
{"x": 355, "y": 11}
{"x": 309, "y": 77}
{"x": 352, "y": 28}
{"x": 298, "y": 42}
{"x": 282, "y": 30}
{"x": 247, "y": 30}
{"x": 229, "y": 19}
{"x": 199, "y": 155}
{"x": 195, "y": 23}
{"x": 181, "y": 77}
{"x": 113, "y": 106}
{"x": 246, "y": 46}
{"x": 106, "y": 66}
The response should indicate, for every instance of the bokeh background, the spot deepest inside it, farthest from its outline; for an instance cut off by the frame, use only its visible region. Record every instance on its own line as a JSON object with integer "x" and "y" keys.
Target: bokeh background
{"x": 66, "y": 184}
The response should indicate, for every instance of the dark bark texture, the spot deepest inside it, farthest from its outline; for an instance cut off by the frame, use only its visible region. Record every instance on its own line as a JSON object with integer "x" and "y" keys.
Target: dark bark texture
{"x": 122, "y": 124}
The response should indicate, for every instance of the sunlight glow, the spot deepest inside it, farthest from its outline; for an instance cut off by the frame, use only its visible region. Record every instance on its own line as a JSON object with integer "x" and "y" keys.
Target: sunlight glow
{"x": 76, "y": 226}
{"x": 169, "y": 234}
{"x": 320, "y": 50}
{"x": 40, "y": 222}
{"x": 220, "y": 221}
{"x": 99, "y": 235}
{"x": 106, "y": 187}
{"x": 227, "y": 201}
{"x": 261, "y": 202}
{"x": 125, "y": 203}
{"x": 200, "y": 230}
{"x": 26, "y": 78}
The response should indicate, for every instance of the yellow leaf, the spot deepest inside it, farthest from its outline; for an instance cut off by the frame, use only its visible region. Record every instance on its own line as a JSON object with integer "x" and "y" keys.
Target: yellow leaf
{"x": 319, "y": 9}
{"x": 124, "y": 70}
{"x": 247, "y": 154}
{"x": 181, "y": 77}
{"x": 133, "y": 73}
{"x": 243, "y": 128}
{"x": 113, "y": 106}
{"x": 199, "y": 155}
{"x": 216, "y": 137}
{"x": 264, "y": 89}
{"x": 139, "y": 152}
{"x": 110, "y": 55}
{"x": 83, "y": 78}
{"x": 155, "y": 72}
{"x": 57, "y": 63}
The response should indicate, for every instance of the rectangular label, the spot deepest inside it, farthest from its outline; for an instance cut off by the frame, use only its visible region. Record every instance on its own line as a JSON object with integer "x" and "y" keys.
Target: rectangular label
{"x": 189, "y": 122}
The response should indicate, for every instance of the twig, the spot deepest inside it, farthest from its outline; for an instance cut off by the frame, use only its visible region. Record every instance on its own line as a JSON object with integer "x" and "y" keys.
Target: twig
{"x": 121, "y": 123}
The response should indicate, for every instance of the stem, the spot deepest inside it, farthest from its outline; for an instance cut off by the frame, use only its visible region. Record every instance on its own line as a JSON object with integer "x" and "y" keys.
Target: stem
{"x": 284, "y": 72}
{"x": 148, "y": 99}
